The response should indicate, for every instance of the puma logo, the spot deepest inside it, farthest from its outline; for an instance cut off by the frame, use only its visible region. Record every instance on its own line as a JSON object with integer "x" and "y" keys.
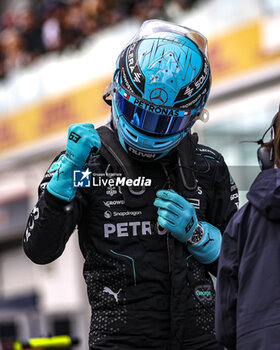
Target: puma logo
{"x": 109, "y": 291}
{"x": 59, "y": 172}
{"x": 209, "y": 240}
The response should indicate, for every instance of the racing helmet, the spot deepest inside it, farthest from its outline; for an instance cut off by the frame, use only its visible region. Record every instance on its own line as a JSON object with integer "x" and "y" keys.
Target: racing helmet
{"x": 160, "y": 86}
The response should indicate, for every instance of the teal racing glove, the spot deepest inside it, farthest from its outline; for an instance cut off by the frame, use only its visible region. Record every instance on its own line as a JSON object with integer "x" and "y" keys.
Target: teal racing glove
{"x": 178, "y": 216}
{"x": 82, "y": 139}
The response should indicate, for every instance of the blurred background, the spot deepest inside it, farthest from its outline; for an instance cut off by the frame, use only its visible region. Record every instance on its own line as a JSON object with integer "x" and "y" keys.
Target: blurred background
{"x": 56, "y": 58}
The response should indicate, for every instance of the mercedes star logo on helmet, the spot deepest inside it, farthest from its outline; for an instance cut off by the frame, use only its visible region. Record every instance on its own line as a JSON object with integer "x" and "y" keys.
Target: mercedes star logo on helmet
{"x": 159, "y": 96}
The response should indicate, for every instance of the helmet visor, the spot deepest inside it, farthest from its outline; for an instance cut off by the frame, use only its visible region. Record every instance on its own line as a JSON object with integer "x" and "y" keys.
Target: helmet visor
{"x": 152, "y": 119}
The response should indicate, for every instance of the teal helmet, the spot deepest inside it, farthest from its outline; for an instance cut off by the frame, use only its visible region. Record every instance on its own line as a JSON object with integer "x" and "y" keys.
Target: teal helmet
{"x": 160, "y": 86}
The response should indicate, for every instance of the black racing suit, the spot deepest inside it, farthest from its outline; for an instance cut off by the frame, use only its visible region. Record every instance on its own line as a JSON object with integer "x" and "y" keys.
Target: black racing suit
{"x": 145, "y": 289}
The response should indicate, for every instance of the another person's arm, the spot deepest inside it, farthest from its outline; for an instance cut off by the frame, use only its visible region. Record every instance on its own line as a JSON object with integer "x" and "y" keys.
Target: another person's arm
{"x": 223, "y": 201}
{"x": 227, "y": 286}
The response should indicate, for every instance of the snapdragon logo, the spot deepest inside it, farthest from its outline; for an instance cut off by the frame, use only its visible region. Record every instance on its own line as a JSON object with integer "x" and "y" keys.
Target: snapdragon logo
{"x": 108, "y": 214}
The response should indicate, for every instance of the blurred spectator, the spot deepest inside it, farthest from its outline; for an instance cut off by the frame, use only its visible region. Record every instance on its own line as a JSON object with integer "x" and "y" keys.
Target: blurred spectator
{"x": 13, "y": 55}
{"x": 89, "y": 9}
{"x": 2, "y": 64}
{"x": 156, "y": 9}
{"x": 72, "y": 26}
{"x": 31, "y": 33}
{"x": 7, "y": 19}
{"x": 53, "y": 25}
{"x": 175, "y": 7}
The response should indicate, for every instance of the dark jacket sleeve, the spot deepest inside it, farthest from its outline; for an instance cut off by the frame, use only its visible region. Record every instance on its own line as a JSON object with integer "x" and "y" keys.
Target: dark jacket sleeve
{"x": 51, "y": 223}
{"x": 227, "y": 285}
{"x": 223, "y": 199}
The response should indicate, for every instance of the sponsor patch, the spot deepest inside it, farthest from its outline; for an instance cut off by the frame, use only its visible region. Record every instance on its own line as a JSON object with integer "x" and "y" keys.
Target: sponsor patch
{"x": 132, "y": 229}
{"x": 74, "y": 137}
{"x": 108, "y": 214}
{"x": 110, "y": 204}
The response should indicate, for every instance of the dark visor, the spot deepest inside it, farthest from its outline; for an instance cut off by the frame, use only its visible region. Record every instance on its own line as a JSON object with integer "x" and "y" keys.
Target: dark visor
{"x": 164, "y": 124}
